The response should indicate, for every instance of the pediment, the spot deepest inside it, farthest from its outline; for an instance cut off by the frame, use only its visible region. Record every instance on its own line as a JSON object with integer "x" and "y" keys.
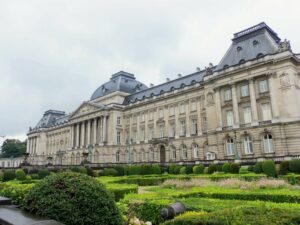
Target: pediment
{"x": 85, "y": 108}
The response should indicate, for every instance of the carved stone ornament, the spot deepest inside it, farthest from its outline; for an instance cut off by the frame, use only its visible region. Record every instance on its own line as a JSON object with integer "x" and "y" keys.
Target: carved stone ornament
{"x": 284, "y": 46}
{"x": 284, "y": 80}
{"x": 210, "y": 98}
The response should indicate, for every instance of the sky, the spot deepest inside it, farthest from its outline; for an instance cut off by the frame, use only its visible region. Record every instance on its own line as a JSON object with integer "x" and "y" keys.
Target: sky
{"x": 55, "y": 53}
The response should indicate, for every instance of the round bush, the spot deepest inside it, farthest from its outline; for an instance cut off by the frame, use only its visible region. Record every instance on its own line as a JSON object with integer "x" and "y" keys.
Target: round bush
{"x": 258, "y": 167}
{"x": 34, "y": 176}
{"x": 294, "y": 166}
{"x": 82, "y": 170}
{"x": 226, "y": 168}
{"x": 243, "y": 170}
{"x": 110, "y": 172}
{"x": 177, "y": 169}
{"x": 72, "y": 198}
{"x": 212, "y": 168}
{"x": 268, "y": 168}
{"x": 182, "y": 170}
{"x": 120, "y": 169}
{"x": 43, "y": 173}
{"x": 250, "y": 168}
{"x": 199, "y": 169}
{"x": 90, "y": 171}
{"x": 20, "y": 174}
{"x": 234, "y": 168}
{"x": 155, "y": 169}
{"x": 220, "y": 168}
{"x": 9, "y": 175}
{"x": 189, "y": 169}
{"x": 284, "y": 168}
{"x": 171, "y": 168}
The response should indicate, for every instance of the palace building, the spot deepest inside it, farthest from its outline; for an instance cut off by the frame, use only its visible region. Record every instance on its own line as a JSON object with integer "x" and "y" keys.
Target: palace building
{"x": 246, "y": 108}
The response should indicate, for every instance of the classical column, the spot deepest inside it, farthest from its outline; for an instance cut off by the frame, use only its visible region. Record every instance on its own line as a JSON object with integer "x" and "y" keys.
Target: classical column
{"x": 95, "y": 131}
{"x": 32, "y": 146}
{"x": 146, "y": 127}
{"x": 104, "y": 129}
{"x": 77, "y": 135}
{"x": 100, "y": 131}
{"x": 218, "y": 108}
{"x": 71, "y": 135}
{"x": 253, "y": 102}
{"x": 199, "y": 121}
{"x": 177, "y": 123}
{"x": 28, "y": 145}
{"x": 188, "y": 128}
{"x": 88, "y": 132}
{"x": 272, "y": 89}
{"x": 82, "y": 143}
{"x": 235, "y": 106}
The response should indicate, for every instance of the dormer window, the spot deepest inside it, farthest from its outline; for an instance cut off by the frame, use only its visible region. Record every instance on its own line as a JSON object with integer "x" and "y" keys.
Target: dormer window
{"x": 161, "y": 92}
{"x": 242, "y": 61}
{"x": 255, "y": 42}
{"x": 225, "y": 66}
{"x": 239, "y": 48}
{"x": 260, "y": 55}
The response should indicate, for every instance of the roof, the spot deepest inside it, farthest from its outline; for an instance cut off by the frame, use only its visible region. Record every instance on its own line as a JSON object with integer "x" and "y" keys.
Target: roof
{"x": 51, "y": 118}
{"x": 121, "y": 81}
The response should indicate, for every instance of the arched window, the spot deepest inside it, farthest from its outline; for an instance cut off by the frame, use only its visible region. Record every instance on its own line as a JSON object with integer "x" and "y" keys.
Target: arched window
{"x": 248, "y": 145}
{"x": 184, "y": 151}
{"x": 196, "y": 151}
{"x": 230, "y": 146}
{"x": 173, "y": 153}
{"x": 117, "y": 156}
{"x": 268, "y": 143}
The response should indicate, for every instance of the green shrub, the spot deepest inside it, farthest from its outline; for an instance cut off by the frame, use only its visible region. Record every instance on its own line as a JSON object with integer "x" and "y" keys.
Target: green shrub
{"x": 294, "y": 166}
{"x": 243, "y": 170}
{"x": 20, "y": 174}
{"x": 146, "y": 169}
{"x": 16, "y": 192}
{"x": 284, "y": 168}
{"x": 268, "y": 168}
{"x": 90, "y": 171}
{"x": 72, "y": 198}
{"x": 234, "y": 168}
{"x": 8, "y": 175}
{"x": 43, "y": 173}
{"x": 155, "y": 169}
{"x": 134, "y": 170}
{"x": 220, "y": 167}
{"x": 75, "y": 169}
{"x": 120, "y": 170}
{"x": 250, "y": 168}
{"x": 226, "y": 168}
{"x": 34, "y": 176}
{"x": 182, "y": 170}
{"x": 199, "y": 169}
{"x": 189, "y": 169}
{"x": 82, "y": 170}
{"x": 171, "y": 168}
{"x": 109, "y": 172}
{"x": 1, "y": 176}
{"x": 120, "y": 190}
{"x": 177, "y": 169}
{"x": 258, "y": 167}
{"x": 212, "y": 168}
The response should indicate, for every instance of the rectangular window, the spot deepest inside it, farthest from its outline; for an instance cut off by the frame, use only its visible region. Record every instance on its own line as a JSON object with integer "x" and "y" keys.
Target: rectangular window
{"x": 118, "y": 137}
{"x": 161, "y": 113}
{"x": 134, "y": 136}
{"x": 151, "y": 115}
{"x": 172, "y": 130}
{"x": 118, "y": 120}
{"x": 161, "y": 131}
{"x": 266, "y": 111}
{"x": 245, "y": 90}
{"x": 193, "y": 106}
{"x": 172, "y": 110}
{"x": 263, "y": 86}
{"x": 247, "y": 115}
{"x": 142, "y": 134}
{"x": 194, "y": 126}
{"x": 182, "y": 108}
{"x": 142, "y": 116}
{"x": 229, "y": 118}
{"x": 183, "y": 128}
{"x": 227, "y": 95}
{"x": 204, "y": 124}
{"x": 134, "y": 119}
{"x": 151, "y": 133}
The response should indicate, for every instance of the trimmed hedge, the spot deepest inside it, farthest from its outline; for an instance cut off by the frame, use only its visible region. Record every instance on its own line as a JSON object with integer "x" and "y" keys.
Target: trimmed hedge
{"x": 234, "y": 168}
{"x": 43, "y": 173}
{"x": 109, "y": 172}
{"x": 199, "y": 169}
{"x": 182, "y": 170}
{"x": 8, "y": 175}
{"x": 120, "y": 190}
{"x": 20, "y": 174}
{"x": 226, "y": 167}
{"x": 268, "y": 168}
{"x": 258, "y": 167}
{"x": 284, "y": 168}
{"x": 294, "y": 165}
{"x": 212, "y": 168}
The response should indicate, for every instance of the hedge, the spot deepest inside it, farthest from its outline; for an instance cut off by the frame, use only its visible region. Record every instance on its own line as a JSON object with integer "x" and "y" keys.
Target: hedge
{"x": 294, "y": 165}
{"x": 199, "y": 169}
{"x": 258, "y": 167}
{"x": 119, "y": 191}
{"x": 268, "y": 168}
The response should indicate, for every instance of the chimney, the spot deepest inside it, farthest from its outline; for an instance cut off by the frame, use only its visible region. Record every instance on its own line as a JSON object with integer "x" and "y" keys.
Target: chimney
{"x": 151, "y": 85}
{"x": 179, "y": 75}
{"x": 167, "y": 79}
{"x": 198, "y": 69}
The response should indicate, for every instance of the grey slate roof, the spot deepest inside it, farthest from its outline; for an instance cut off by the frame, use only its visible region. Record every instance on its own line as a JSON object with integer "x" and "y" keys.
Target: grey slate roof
{"x": 251, "y": 43}
{"x": 121, "y": 81}
{"x": 51, "y": 118}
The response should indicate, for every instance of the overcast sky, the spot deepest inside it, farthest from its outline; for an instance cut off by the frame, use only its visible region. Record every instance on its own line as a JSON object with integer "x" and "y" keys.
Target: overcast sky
{"x": 54, "y": 54}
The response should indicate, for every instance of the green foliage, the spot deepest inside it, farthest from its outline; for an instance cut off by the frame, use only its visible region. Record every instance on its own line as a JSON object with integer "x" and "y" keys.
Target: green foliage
{"x": 234, "y": 168}
{"x": 220, "y": 168}
{"x": 182, "y": 170}
{"x": 90, "y": 171}
{"x": 9, "y": 175}
{"x": 174, "y": 169}
{"x": 212, "y": 168}
{"x": 294, "y": 165}
{"x": 226, "y": 167}
{"x": 199, "y": 169}
{"x": 13, "y": 148}
{"x": 72, "y": 198}
{"x": 268, "y": 168}
{"x": 120, "y": 190}
{"x": 258, "y": 167}
{"x": 34, "y": 176}
{"x": 15, "y": 191}
{"x": 189, "y": 169}
{"x": 250, "y": 168}
{"x": 155, "y": 169}
{"x": 82, "y": 170}
{"x": 20, "y": 174}
{"x": 75, "y": 169}
{"x": 43, "y": 173}
{"x": 133, "y": 170}
{"x": 110, "y": 172}
{"x": 243, "y": 170}
{"x": 120, "y": 170}
{"x": 146, "y": 169}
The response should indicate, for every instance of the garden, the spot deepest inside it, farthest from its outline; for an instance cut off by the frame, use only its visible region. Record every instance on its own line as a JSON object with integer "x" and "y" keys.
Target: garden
{"x": 265, "y": 193}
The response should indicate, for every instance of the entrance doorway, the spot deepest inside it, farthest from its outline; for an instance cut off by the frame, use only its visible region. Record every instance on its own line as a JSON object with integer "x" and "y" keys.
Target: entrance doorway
{"x": 162, "y": 154}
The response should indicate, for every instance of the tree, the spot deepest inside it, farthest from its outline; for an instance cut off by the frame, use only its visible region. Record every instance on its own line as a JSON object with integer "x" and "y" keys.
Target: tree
{"x": 13, "y": 148}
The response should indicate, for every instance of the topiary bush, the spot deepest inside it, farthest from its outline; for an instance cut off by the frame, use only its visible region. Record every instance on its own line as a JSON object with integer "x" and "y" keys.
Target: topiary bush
{"x": 182, "y": 170}
{"x": 75, "y": 169}
{"x": 43, "y": 173}
{"x": 258, "y": 167}
{"x": 82, "y": 170}
{"x": 199, "y": 169}
{"x": 146, "y": 169}
{"x": 109, "y": 172}
{"x": 284, "y": 168}
{"x": 226, "y": 168}
{"x": 220, "y": 167}
{"x": 250, "y": 168}
{"x": 90, "y": 171}
{"x": 34, "y": 176}
{"x": 294, "y": 166}
{"x": 20, "y": 174}
{"x": 234, "y": 168}
{"x": 120, "y": 170}
{"x": 189, "y": 169}
{"x": 268, "y": 168}
{"x": 212, "y": 168}
{"x": 243, "y": 170}
{"x": 155, "y": 169}
{"x": 72, "y": 198}
{"x": 8, "y": 175}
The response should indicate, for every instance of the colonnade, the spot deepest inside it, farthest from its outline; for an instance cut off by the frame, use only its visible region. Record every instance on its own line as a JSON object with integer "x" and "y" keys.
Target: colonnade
{"x": 31, "y": 145}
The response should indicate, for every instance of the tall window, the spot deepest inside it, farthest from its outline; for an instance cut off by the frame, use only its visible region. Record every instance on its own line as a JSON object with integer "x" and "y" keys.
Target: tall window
{"x": 183, "y": 128}
{"x": 161, "y": 131}
{"x": 142, "y": 134}
{"x": 184, "y": 152}
{"x": 151, "y": 115}
{"x": 134, "y": 134}
{"x": 134, "y": 119}
{"x": 230, "y": 146}
{"x": 118, "y": 120}
{"x": 204, "y": 124}
{"x": 151, "y": 133}
{"x": 247, "y": 115}
{"x": 194, "y": 126}
{"x": 182, "y": 108}
{"x": 171, "y": 110}
{"x": 196, "y": 151}
{"x": 229, "y": 118}
{"x": 151, "y": 154}
{"x": 142, "y": 116}
{"x": 193, "y": 106}
{"x": 263, "y": 86}
{"x": 268, "y": 143}
{"x": 161, "y": 113}
{"x": 173, "y": 153}
{"x": 172, "y": 130}
{"x": 266, "y": 111}
{"x": 118, "y": 156}
{"x": 245, "y": 90}
{"x": 248, "y": 145}
{"x": 142, "y": 155}
{"x": 227, "y": 95}
{"x": 118, "y": 137}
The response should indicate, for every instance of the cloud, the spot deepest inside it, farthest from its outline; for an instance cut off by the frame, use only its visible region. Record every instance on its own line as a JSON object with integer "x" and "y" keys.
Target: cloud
{"x": 54, "y": 54}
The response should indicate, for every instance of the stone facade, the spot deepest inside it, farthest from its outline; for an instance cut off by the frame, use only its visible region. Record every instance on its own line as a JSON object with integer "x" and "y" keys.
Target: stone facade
{"x": 247, "y": 108}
